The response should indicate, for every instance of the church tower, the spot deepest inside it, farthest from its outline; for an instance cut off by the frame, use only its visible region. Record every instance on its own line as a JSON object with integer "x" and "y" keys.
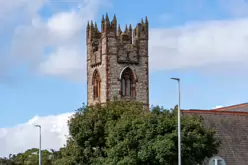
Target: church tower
{"x": 117, "y": 62}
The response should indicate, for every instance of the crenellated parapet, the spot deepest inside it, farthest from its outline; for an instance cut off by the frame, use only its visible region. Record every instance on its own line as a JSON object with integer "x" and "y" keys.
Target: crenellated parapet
{"x": 117, "y": 61}
{"x": 128, "y": 42}
{"x": 94, "y": 43}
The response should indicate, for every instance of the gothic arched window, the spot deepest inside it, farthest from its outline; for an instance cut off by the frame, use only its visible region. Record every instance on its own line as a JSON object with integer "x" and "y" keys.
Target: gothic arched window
{"x": 96, "y": 85}
{"x": 128, "y": 83}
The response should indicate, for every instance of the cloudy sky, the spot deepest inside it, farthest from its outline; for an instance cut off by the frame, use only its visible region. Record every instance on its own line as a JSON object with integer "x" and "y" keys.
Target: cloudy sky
{"x": 43, "y": 59}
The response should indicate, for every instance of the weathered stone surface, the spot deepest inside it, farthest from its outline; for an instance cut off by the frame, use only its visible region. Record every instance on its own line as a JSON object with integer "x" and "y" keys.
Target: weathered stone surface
{"x": 116, "y": 51}
{"x": 232, "y": 128}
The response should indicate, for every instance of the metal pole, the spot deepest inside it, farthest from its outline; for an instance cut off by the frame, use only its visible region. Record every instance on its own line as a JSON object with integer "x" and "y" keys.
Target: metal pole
{"x": 179, "y": 125}
{"x": 40, "y": 158}
{"x": 179, "y": 121}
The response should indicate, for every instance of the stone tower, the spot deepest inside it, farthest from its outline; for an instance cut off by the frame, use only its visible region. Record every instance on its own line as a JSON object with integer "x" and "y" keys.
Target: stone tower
{"x": 117, "y": 62}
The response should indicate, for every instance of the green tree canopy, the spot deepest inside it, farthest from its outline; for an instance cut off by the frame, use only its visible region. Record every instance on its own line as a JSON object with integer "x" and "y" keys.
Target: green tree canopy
{"x": 121, "y": 133}
{"x": 29, "y": 157}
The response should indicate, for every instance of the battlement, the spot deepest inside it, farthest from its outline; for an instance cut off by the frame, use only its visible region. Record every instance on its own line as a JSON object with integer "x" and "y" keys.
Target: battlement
{"x": 127, "y": 42}
{"x": 107, "y": 26}
{"x": 117, "y": 61}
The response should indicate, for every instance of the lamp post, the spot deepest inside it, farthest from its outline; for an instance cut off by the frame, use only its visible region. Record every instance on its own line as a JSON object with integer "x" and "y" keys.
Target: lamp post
{"x": 39, "y": 126}
{"x": 179, "y": 122}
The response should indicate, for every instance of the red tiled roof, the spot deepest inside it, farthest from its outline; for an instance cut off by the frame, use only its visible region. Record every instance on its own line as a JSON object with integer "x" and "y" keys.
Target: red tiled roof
{"x": 215, "y": 112}
{"x": 232, "y": 128}
{"x": 238, "y": 107}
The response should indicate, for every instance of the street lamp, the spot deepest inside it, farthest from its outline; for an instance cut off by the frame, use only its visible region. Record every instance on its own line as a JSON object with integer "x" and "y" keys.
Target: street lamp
{"x": 179, "y": 122}
{"x": 39, "y": 126}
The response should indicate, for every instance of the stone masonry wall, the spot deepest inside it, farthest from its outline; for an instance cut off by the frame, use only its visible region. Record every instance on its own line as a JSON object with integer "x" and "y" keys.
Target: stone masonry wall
{"x": 112, "y": 42}
{"x": 101, "y": 69}
{"x": 140, "y": 69}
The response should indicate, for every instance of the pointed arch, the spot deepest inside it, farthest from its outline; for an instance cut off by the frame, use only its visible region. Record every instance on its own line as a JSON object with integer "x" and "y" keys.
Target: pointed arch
{"x": 135, "y": 76}
{"x": 96, "y": 82}
{"x": 128, "y": 82}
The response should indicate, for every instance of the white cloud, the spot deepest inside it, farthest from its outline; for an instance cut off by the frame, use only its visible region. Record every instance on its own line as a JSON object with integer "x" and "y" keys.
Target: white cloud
{"x": 211, "y": 45}
{"x": 51, "y": 45}
{"x": 65, "y": 62}
{"x": 215, "y": 44}
{"x": 25, "y": 136}
{"x": 10, "y": 6}
{"x": 65, "y": 25}
{"x": 218, "y": 106}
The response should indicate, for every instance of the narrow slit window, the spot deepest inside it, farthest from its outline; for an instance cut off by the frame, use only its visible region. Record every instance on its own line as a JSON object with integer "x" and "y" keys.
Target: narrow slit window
{"x": 96, "y": 85}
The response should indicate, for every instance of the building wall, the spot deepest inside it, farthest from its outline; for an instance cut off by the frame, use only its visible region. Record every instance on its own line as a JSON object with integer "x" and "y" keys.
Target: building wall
{"x": 100, "y": 66}
{"x": 117, "y": 50}
{"x": 232, "y": 129}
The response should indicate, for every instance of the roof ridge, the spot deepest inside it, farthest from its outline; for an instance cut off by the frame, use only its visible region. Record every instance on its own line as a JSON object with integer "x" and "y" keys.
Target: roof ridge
{"x": 215, "y": 112}
{"x": 231, "y": 107}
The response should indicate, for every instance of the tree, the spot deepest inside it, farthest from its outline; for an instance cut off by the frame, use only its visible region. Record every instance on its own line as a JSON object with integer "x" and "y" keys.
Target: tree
{"x": 121, "y": 133}
{"x": 68, "y": 155}
{"x": 6, "y": 161}
{"x": 29, "y": 157}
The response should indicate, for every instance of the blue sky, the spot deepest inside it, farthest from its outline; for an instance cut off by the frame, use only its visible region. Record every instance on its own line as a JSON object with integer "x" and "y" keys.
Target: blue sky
{"x": 42, "y": 53}
{"x": 26, "y": 93}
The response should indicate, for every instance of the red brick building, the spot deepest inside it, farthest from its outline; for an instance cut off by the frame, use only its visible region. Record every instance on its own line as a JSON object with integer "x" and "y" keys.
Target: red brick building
{"x": 231, "y": 125}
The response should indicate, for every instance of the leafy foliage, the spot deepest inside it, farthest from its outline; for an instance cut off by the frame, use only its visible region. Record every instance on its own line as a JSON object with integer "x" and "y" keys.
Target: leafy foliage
{"x": 124, "y": 133}
{"x": 30, "y": 157}
{"x": 121, "y": 133}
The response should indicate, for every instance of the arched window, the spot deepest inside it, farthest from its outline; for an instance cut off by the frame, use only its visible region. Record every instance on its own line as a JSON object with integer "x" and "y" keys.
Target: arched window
{"x": 128, "y": 83}
{"x": 96, "y": 85}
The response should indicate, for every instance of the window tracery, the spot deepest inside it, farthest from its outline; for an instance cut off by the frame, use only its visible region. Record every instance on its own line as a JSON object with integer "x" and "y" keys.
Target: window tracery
{"x": 128, "y": 83}
{"x": 96, "y": 85}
